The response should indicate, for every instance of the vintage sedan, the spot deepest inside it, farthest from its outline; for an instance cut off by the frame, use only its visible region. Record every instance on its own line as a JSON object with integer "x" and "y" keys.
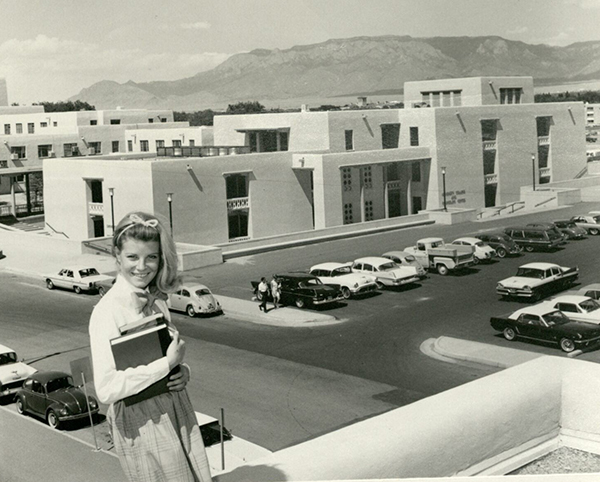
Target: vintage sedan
{"x": 589, "y": 222}
{"x": 544, "y": 323}
{"x": 194, "y": 298}
{"x": 303, "y": 290}
{"x": 12, "y": 372}
{"x": 52, "y": 396}
{"x": 386, "y": 272}
{"x": 577, "y": 307}
{"x": 482, "y": 253}
{"x": 76, "y": 278}
{"x": 351, "y": 284}
{"x": 503, "y": 244}
{"x": 402, "y": 258}
{"x": 570, "y": 229}
{"x": 591, "y": 291}
{"x": 533, "y": 281}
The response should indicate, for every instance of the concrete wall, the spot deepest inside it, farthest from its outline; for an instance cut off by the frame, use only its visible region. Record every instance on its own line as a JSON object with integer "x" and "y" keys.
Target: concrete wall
{"x": 181, "y": 131}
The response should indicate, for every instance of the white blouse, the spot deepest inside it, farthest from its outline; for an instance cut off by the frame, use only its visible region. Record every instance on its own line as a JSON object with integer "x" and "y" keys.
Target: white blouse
{"x": 118, "y": 307}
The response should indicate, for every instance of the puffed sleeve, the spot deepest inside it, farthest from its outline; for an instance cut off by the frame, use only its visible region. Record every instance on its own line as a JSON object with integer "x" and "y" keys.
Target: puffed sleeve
{"x": 112, "y": 384}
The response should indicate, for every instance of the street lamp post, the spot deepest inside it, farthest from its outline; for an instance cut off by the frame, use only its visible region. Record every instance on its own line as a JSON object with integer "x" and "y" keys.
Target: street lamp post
{"x": 533, "y": 169}
{"x": 111, "y": 191}
{"x": 170, "y": 200}
{"x": 444, "y": 186}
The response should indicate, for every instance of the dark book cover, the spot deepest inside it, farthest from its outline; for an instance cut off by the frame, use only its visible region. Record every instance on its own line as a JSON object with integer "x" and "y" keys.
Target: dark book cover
{"x": 142, "y": 348}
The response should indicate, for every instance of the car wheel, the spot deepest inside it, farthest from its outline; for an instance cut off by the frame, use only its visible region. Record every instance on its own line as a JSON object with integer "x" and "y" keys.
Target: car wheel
{"x": 77, "y": 289}
{"x": 49, "y": 284}
{"x": 501, "y": 252}
{"x": 593, "y": 231}
{"x": 190, "y": 311}
{"x": 509, "y": 334}
{"x": 567, "y": 345}
{"x": 20, "y": 406}
{"x": 529, "y": 249}
{"x": 101, "y": 291}
{"x": 536, "y": 296}
{"x": 52, "y": 419}
{"x": 300, "y": 303}
{"x": 346, "y": 292}
{"x": 476, "y": 260}
{"x": 379, "y": 284}
{"x": 442, "y": 269}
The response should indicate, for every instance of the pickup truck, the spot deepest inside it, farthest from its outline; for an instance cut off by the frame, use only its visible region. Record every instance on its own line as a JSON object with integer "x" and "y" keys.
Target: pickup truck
{"x": 533, "y": 281}
{"x": 433, "y": 254}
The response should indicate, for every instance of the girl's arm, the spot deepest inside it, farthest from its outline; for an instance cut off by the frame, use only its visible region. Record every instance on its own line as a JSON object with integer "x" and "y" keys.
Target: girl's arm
{"x": 112, "y": 384}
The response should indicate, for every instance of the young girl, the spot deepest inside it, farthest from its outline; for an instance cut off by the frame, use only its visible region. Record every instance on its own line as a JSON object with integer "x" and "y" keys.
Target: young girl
{"x": 156, "y": 439}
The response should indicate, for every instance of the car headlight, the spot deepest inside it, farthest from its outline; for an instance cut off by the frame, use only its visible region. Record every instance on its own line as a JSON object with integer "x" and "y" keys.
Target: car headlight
{"x": 527, "y": 288}
{"x": 63, "y": 411}
{"x": 93, "y": 403}
{"x": 499, "y": 286}
{"x": 355, "y": 285}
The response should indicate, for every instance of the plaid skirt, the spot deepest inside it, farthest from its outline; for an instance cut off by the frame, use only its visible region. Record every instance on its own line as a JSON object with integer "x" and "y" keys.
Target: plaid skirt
{"x": 158, "y": 440}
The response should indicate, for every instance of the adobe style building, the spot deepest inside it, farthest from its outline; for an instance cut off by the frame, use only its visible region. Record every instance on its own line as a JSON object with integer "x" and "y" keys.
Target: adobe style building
{"x": 471, "y": 143}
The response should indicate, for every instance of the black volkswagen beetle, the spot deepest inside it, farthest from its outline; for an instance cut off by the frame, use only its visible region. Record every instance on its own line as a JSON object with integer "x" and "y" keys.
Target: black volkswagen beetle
{"x": 52, "y": 396}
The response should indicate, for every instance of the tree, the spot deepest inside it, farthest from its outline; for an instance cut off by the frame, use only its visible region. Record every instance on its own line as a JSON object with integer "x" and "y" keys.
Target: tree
{"x": 67, "y": 106}
{"x": 198, "y": 118}
{"x": 247, "y": 107}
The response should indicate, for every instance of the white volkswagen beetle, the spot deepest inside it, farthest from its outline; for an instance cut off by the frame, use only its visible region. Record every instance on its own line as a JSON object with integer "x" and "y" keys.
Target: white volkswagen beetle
{"x": 351, "y": 284}
{"x": 483, "y": 252}
{"x": 194, "y": 298}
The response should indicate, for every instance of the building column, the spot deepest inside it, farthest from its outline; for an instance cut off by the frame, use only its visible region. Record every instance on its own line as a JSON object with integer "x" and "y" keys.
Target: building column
{"x": 13, "y": 196}
{"x": 409, "y": 205}
{"x": 27, "y": 193}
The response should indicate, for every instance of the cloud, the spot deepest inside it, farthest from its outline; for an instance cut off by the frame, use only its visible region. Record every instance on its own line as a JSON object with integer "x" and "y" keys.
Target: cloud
{"x": 196, "y": 26}
{"x": 49, "y": 68}
{"x": 517, "y": 31}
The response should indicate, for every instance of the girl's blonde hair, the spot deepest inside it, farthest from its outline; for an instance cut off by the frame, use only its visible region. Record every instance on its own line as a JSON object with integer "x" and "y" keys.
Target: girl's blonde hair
{"x": 149, "y": 227}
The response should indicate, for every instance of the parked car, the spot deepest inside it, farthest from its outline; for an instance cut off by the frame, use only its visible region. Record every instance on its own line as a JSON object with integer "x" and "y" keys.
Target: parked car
{"x": 589, "y": 222}
{"x": 52, "y": 396}
{"x": 482, "y": 253}
{"x": 544, "y": 323}
{"x": 570, "y": 229}
{"x": 104, "y": 285}
{"x": 303, "y": 290}
{"x": 402, "y": 258}
{"x": 531, "y": 238}
{"x": 577, "y": 307}
{"x": 434, "y": 254}
{"x": 341, "y": 274}
{"x": 591, "y": 291}
{"x": 503, "y": 244}
{"x": 536, "y": 280}
{"x": 194, "y": 298}
{"x": 12, "y": 372}
{"x": 386, "y": 272}
{"x": 549, "y": 226}
{"x": 76, "y": 278}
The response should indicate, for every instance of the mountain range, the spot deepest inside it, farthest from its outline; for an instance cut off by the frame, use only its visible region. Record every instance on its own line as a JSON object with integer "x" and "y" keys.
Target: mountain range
{"x": 352, "y": 66}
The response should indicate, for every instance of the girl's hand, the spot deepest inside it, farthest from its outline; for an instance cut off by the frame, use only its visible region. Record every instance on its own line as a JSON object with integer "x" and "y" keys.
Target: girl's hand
{"x": 175, "y": 351}
{"x": 178, "y": 381}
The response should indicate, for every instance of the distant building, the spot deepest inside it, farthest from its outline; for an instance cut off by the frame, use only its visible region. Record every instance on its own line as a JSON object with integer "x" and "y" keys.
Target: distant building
{"x": 314, "y": 170}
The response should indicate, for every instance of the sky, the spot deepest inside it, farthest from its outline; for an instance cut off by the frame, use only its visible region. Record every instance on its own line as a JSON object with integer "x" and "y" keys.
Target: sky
{"x": 51, "y": 49}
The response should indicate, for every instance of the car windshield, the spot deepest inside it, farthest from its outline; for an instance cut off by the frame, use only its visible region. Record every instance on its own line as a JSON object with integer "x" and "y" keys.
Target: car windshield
{"x": 589, "y": 305}
{"x": 341, "y": 271}
{"x": 387, "y": 266}
{"x": 59, "y": 383}
{"x": 555, "y": 318}
{"x": 203, "y": 291}
{"x": 88, "y": 272}
{"x": 530, "y": 273}
{"x": 480, "y": 244}
{"x": 8, "y": 358}
{"x": 410, "y": 258}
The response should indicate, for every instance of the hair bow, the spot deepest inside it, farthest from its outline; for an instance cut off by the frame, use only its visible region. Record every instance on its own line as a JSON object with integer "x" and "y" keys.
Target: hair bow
{"x": 149, "y": 223}
{"x": 145, "y": 301}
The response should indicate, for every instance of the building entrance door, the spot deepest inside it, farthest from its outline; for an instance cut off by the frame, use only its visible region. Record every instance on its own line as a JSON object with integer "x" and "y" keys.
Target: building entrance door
{"x": 490, "y": 195}
{"x": 394, "y": 203}
{"x": 98, "y": 222}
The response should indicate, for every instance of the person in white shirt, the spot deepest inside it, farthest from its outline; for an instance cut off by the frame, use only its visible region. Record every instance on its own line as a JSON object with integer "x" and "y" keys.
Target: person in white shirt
{"x": 158, "y": 438}
{"x": 263, "y": 291}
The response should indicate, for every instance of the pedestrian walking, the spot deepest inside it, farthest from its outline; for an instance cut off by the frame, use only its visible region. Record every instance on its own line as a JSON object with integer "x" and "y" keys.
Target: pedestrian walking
{"x": 275, "y": 291}
{"x": 263, "y": 294}
{"x": 157, "y": 438}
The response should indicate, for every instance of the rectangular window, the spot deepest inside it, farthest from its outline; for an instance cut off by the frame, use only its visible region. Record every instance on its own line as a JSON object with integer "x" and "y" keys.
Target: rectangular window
{"x": 283, "y": 141}
{"x": 115, "y": 121}
{"x": 390, "y": 136}
{"x": 43, "y": 124}
{"x": 511, "y": 95}
{"x": 163, "y": 119}
{"x": 115, "y": 146}
{"x": 543, "y": 154}
{"x": 446, "y": 99}
{"x": 414, "y": 136}
{"x": 457, "y": 98}
{"x": 543, "y": 126}
{"x": 19, "y": 128}
{"x": 93, "y": 122}
{"x": 55, "y": 123}
{"x": 95, "y": 147}
{"x": 176, "y": 142}
{"x": 18, "y": 152}
{"x": 160, "y": 143}
{"x": 6, "y": 129}
{"x": 236, "y": 186}
{"x": 129, "y": 145}
{"x": 3, "y": 164}
{"x": 415, "y": 172}
{"x": 151, "y": 120}
{"x": 349, "y": 140}
{"x": 30, "y": 128}
{"x": 489, "y": 161}
{"x": 44, "y": 150}
{"x": 192, "y": 143}
{"x": 392, "y": 172}
{"x": 144, "y": 146}
{"x": 96, "y": 188}
{"x": 435, "y": 99}
{"x": 71, "y": 150}
{"x": 489, "y": 129}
